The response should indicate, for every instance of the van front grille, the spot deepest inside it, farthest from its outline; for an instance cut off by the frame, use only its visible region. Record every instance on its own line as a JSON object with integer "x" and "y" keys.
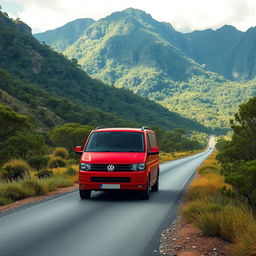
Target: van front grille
{"x": 118, "y": 167}
{"x": 111, "y": 179}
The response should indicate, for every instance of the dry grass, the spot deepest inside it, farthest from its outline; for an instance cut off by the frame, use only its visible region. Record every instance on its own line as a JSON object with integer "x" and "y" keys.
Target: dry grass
{"x": 218, "y": 215}
{"x": 176, "y": 155}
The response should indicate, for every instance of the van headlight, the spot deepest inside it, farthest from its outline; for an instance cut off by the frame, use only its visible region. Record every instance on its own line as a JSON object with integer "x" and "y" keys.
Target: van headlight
{"x": 85, "y": 167}
{"x": 138, "y": 167}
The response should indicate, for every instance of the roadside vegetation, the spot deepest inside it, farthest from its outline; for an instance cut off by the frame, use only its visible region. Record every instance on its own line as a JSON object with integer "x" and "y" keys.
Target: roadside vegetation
{"x": 34, "y": 163}
{"x": 221, "y": 201}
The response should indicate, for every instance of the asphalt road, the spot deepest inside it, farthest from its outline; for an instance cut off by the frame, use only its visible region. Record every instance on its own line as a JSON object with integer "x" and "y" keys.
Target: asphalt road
{"x": 108, "y": 224}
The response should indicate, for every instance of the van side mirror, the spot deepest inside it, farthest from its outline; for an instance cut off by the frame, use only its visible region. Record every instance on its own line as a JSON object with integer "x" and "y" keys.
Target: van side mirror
{"x": 78, "y": 150}
{"x": 154, "y": 151}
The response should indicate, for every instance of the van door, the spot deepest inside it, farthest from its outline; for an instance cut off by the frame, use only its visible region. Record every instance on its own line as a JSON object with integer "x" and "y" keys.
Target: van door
{"x": 153, "y": 160}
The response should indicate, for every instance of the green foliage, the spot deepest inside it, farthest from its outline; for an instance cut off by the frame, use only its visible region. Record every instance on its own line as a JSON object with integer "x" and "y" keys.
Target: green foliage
{"x": 11, "y": 122}
{"x": 36, "y": 188}
{"x": 160, "y": 70}
{"x": 238, "y": 157}
{"x": 70, "y": 135}
{"x": 79, "y": 98}
{"x": 62, "y": 37}
{"x": 12, "y": 192}
{"x": 14, "y": 169}
{"x": 60, "y": 152}
{"x": 71, "y": 171}
{"x": 62, "y": 182}
{"x": 56, "y": 162}
{"x": 26, "y": 145}
{"x": 44, "y": 173}
{"x": 179, "y": 140}
{"x": 38, "y": 162}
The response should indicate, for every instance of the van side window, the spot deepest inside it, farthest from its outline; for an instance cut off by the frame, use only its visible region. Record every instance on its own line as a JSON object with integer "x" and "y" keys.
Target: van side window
{"x": 152, "y": 140}
{"x": 148, "y": 142}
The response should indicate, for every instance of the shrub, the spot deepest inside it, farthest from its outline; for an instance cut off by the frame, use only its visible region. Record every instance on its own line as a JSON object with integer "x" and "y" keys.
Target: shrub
{"x": 193, "y": 209}
{"x": 72, "y": 162}
{"x": 245, "y": 244}
{"x": 14, "y": 169}
{"x": 38, "y": 162}
{"x": 56, "y": 162}
{"x": 62, "y": 181}
{"x": 60, "y": 152}
{"x": 70, "y": 171}
{"x": 45, "y": 173}
{"x": 4, "y": 201}
{"x": 234, "y": 221}
{"x": 202, "y": 187}
{"x": 208, "y": 222}
{"x": 35, "y": 186}
{"x": 13, "y": 192}
{"x": 49, "y": 183}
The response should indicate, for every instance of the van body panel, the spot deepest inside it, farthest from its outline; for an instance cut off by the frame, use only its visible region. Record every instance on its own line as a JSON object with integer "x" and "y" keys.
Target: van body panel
{"x": 119, "y": 168}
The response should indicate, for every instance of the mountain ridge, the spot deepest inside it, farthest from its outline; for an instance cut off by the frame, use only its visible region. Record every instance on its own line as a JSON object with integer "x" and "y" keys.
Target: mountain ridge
{"x": 132, "y": 50}
{"x": 35, "y": 68}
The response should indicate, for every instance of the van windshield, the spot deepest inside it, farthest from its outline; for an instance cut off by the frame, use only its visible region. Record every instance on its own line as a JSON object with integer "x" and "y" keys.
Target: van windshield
{"x": 116, "y": 142}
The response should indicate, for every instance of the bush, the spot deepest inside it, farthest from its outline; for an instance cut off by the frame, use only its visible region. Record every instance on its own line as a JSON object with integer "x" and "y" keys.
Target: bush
{"x": 38, "y": 162}
{"x": 45, "y": 173}
{"x": 70, "y": 171}
{"x": 72, "y": 162}
{"x": 13, "y": 192}
{"x": 4, "y": 201}
{"x": 62, "y": 181}
{"x": 234, "y": 221}
{"x": 193, "y": 209}
{"x": 246, "y": 243}
{"x": 49, "y": 183}
{"x": 60, "y": 152}
{"x": 35, "y": 186}
{"x": 56, "y": 162}
{"x": 14, "y": 169}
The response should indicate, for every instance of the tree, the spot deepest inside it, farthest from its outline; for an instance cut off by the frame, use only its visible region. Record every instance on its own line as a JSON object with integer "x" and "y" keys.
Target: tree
{"x": 11, "y": 122}
{"x": 238, "y": 157}
{"x": 69, "y": 135}
{"x": 24, "y": 145}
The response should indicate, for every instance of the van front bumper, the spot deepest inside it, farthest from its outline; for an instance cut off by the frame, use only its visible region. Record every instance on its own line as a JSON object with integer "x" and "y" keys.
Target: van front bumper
{"x": 91, "y": 180}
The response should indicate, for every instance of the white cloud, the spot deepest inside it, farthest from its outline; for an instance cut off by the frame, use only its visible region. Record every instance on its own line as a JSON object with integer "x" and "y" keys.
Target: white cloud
{"x": 184, "y": 15}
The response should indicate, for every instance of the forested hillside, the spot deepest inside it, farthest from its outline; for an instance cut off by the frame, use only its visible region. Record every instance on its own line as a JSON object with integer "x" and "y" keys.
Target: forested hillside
{"x": 132, "y": 50}
{"x": 227, "y": 51}
{"x": 68, "y": 91}
{"x": 64, "y": 36}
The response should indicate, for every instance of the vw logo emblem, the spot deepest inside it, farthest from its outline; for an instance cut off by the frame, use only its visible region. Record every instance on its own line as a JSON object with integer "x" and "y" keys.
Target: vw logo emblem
{"x": 110, "y": 167}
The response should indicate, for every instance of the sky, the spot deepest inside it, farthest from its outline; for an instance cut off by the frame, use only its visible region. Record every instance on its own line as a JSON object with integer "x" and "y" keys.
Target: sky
{"x": 184, "y": 15}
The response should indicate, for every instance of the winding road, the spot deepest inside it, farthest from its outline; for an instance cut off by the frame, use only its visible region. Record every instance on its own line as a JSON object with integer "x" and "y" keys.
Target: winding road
{"x": 109, "y": 224}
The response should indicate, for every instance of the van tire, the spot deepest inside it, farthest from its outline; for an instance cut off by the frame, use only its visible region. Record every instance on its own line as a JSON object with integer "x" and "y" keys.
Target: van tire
{"x": 85, "y": 194}
{"x": 155, "y": 187}
{"x": 145, "y": 194}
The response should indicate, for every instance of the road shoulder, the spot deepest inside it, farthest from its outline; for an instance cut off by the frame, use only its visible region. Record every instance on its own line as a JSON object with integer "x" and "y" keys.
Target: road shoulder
{"x": 35, "y": 199}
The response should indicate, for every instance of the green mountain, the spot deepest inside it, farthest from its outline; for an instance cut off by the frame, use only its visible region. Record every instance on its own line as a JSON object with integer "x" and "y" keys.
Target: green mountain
{"x": 226, "y": 51}
{"x": 37, "y": 77}
{"x": 64, "y": 36}
{"x": 130, "y": 49}
{"x": 110, "y": 48}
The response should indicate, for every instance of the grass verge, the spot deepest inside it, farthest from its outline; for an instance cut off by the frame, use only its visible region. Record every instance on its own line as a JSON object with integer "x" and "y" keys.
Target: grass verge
{"x": 216, "y": 214}
{"x": 33, "y": 186}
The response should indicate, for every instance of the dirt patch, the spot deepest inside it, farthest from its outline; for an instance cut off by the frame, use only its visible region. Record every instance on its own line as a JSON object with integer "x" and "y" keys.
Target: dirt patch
{"x": 184, "y": 239}
{"x": 36, "y": 198}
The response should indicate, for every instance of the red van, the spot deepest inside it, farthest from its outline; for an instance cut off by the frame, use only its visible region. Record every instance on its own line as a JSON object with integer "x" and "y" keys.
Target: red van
{"x": 119, "y": 158}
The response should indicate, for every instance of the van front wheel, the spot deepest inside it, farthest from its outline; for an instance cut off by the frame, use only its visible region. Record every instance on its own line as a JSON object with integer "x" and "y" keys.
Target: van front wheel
{"x": 85, "y": 194}
{"x": 145, "y": 194}
{"x": 155, "y": 187}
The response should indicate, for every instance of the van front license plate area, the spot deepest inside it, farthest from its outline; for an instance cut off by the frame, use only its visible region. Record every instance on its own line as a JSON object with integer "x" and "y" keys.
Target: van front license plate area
{"x": 110, "y": 186}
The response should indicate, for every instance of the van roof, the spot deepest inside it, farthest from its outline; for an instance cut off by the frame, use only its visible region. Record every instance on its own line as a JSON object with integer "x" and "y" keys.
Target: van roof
{"x": 120, "y": 129}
